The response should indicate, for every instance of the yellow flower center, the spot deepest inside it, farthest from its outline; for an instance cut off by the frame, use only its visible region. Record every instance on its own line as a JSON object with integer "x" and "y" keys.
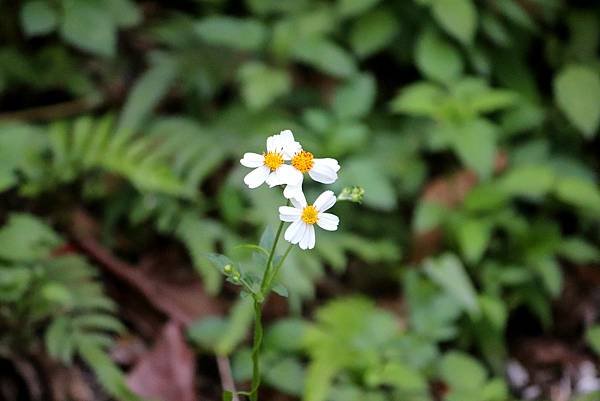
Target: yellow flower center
{"x": 303, "y": 161}
{"x": 310, "y": 215}
{"x": 273, "y": 160}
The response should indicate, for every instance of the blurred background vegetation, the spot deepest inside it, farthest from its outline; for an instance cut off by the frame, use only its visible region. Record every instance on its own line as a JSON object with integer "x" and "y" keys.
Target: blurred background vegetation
{"x": 470, "y": 273}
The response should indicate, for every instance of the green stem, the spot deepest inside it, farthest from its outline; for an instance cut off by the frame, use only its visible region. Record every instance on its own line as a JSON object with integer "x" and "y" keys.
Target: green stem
{"x": 258, "y": 329}
{"x": 258, "y": 335}
{"x": 278, "y": 267}
{"x": 263, "y": 284}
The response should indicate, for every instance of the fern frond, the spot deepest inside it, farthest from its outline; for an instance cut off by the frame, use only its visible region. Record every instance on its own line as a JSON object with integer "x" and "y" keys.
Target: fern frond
{"x": 64, "y": 290}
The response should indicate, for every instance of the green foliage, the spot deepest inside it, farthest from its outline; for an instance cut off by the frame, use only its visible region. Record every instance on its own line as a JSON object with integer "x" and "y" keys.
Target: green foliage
{"x": 593, "y": 338}
{"x": 90, "y": 25}
{"x": 351, "y": 335}
{"x": 60, "y": 295}
{"x": 152, "y": 105}
{"x": 577, "y": 89}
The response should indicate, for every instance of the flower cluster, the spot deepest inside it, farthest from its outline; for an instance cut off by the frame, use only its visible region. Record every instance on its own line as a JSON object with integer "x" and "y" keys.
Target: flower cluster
{"x": 284, "y": 163}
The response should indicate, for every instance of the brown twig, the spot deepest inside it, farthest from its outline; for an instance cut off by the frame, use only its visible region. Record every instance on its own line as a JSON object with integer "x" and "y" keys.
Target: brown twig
{"x": 226, "y": 377}
{"x": 183, "y": 303}
{"x": 54, "y": 111}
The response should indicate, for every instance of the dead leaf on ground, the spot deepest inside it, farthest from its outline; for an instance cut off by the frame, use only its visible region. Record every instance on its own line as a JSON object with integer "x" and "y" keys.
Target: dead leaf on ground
{"x": 168, "y": 370}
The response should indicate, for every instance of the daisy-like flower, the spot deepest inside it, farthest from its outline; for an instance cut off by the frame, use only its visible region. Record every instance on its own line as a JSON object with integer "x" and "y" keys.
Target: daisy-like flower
{"x": 303, "y": 218}
{"x": 321, "y": 170}
{"x": 270, "y": 166}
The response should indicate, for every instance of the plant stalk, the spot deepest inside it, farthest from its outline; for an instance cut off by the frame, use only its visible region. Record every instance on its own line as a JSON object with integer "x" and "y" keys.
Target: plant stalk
{"x": 258, "y": 329}
{"x": 258, "y": 335}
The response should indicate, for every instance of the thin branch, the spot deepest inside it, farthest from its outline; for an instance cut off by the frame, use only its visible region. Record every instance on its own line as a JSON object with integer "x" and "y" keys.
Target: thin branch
{"x": 54, "y": 111}
{"x": 226, "y": 376}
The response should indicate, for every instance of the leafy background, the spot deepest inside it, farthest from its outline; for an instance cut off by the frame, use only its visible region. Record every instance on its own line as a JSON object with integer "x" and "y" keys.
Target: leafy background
{"x": 470, "y": 272}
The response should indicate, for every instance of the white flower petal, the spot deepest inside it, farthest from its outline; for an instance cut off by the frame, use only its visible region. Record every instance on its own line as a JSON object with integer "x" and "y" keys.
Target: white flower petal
{"x": 290, "y": 175}
{"x": 299, "y": 200}
{"x": 301, "y": 233}
{"x": 296, "y": 231}
{"x": 289, "y": 146}
{"x": 273, "y": 143}
{"x": 287, "y": 135}
{"x": 292, "y": 191}
{"x": 305, "y": 240}
{"x": 257, "y": 177}
{"x": 328, "y": 221}
{"x": 292, "y": 231}
{"x": 289, "y": 214}
{"x": 324, "y": 170}
{"x": 325, "y": 201}
{"x": 285, "y": 174}
{"x": 252, "y": 160}
{"x": 312, "y": 238}
{"x": 273, "y": 179}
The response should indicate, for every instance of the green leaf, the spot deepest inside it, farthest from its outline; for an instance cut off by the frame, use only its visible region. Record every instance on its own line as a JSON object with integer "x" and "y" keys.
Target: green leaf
{"x": 219, "y": 261}
{"x": 125, "y": 13}
{"x": 457, "y": 17}
{"x": 59, "y": 341}
{"x": 473, "y": 237}
{"x": 261, "y": 84}
{"x": 89, "y": 26}
{"x": 236, "y": 33}
{"x": 578, "y": 192}
{"x": 356, "y": 98}
{"x": 448, "y": 272}
{"x": 286, "y": 335}
{"x": 319, "y": 378}
{"x": 577, "y": 93}
{"x": 287, "y": 375}
{"x": 495, "y": 390}
{"x": 238, "y": 323}
{"x": 428, "y": 215}
{"x": 107, "y": 372}
{"x": 592, "y": 336}
{"x": 207, "y": 332}
{"x": 461, "y": 371}
{"x": 147, "y": 92}
{"x": 348, "y": 8}
{"x": 494, "y": 310}
{"x": 492, "y": 100}
{"x": 532, "y": 181}
{"x": 379, "y": 191}
{"x": 18, "y": 144}
{"x": 436, "y": 58}
{"x": 475, "y": 143}
{"x": 267, "y": 238}
{"x": 419, "y": 99}
{"x": 372, "y": 32}
{"x": 38, "y": 18}
{"x": 56, "y": 293}
{"x": 227, "y": 396}
{"x": 280, "y": 290}
{"x": 579, "y": 251}
{"x": 326, "y": 56}
{"x": 26, "y": 238}
{"x": 14, "y": 281}
{"x": 550, "y": 273}
{"x": 433, "y": 313}
{"x": 401, "y": 377}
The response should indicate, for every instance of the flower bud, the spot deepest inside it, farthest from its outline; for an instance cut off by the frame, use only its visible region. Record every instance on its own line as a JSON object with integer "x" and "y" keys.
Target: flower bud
{"x": 352, "y": 194}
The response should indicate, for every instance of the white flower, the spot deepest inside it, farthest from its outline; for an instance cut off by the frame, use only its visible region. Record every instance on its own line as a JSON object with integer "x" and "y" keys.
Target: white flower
{"x": 303, "y": 218}
{"x": 270, "y": 166}
{"x": 321, "y": 170}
